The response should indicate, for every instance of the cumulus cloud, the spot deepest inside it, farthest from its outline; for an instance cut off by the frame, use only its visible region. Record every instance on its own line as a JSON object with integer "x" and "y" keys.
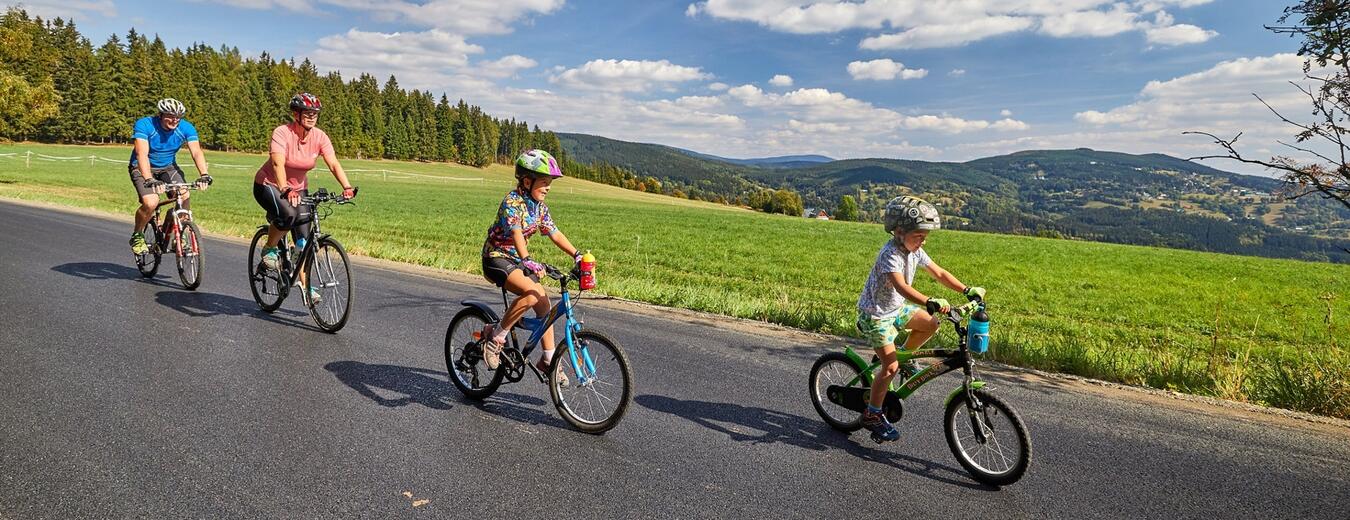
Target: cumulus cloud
{"x": 627, "y": 75}
{"x": 506, "y": 66}
{"x": 1180, "y": 34}
{"x": 921, "y": 24}
{"x": 417, "y": 58}
{"x": 883, "y": 70}
{"x": 1005, "y": 113}
{"x": 781, "y": 80}
{"x": 718, "y": 86}
{"x": 471, "y": 17}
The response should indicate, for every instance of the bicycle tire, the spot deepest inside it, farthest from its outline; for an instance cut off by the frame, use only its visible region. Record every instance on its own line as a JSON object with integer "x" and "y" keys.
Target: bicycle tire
{"x": 592, "y": 389}
{"x": 190, "y": 259}
{"x": 1016, "y": 465}
{"x": 148, "y": 263}
{"x": 259, "y": 277}
{"x": 839, "y": 369}
{"x": 324, "y": 276}
{"x": 463, "y": 356}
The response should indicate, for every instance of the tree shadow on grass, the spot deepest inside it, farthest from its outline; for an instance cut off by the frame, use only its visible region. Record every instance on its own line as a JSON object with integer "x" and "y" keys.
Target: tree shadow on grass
{"x": 763, "y": 426}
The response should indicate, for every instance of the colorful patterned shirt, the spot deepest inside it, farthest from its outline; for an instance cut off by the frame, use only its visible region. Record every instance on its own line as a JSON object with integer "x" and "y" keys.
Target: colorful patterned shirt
{"x": 518, "y": 211}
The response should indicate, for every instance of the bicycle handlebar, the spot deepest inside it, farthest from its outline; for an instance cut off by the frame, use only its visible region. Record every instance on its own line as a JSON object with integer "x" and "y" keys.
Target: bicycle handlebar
{"x": 322, "y": 195}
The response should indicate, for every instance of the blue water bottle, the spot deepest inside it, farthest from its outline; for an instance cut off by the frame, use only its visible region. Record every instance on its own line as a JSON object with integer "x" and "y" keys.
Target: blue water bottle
{"x": 977, "y": 333}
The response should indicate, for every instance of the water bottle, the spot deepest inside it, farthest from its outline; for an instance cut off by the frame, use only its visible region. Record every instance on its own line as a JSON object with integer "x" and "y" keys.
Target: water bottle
{"x": 587, "y": 281}
{"x": 977, "y": 332}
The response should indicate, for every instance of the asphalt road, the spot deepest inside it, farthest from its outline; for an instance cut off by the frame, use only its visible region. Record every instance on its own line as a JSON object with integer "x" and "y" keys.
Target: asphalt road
{"x": 127, "y": 397}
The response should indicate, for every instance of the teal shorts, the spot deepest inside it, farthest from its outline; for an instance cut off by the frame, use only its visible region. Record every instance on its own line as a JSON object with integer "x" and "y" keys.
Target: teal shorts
{"x": 880, "y": 333}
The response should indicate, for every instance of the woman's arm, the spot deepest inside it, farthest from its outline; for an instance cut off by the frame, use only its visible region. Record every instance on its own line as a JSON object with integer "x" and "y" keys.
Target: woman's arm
{"x": 331, "y": 160}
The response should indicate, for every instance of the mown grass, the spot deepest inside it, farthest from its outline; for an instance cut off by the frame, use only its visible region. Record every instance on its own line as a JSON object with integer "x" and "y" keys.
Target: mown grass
{"x": 1250, "y": 329}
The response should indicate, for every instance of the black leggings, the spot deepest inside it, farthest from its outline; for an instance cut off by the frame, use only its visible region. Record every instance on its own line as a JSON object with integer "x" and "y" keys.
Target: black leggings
{"x": 281, "y": 213}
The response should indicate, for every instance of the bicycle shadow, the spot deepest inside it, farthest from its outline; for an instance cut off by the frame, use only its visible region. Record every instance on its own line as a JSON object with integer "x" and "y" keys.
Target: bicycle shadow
{"x": 205, "y": 305}
{"x": 763, "y": 426}
{"x": 432, "y": 388}
{"x": 108, "y": 271}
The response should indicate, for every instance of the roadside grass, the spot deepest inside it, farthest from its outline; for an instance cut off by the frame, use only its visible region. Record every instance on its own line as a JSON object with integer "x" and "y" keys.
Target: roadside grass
{"x": 1260, "y": 330}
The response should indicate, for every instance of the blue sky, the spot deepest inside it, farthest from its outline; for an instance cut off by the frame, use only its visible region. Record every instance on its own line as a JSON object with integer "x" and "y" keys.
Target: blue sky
{"x": 920, "y": 79}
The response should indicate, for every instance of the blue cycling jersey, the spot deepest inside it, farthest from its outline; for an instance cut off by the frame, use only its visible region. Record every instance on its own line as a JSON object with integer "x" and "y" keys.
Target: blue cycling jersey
{"x": 164, "y": 144}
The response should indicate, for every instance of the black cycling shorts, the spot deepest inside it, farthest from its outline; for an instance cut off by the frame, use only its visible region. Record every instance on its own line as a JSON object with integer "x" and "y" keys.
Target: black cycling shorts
{"x": 169, "y": 174}
{"x": 496, "y": 269}
{"x": 280, "y": 212}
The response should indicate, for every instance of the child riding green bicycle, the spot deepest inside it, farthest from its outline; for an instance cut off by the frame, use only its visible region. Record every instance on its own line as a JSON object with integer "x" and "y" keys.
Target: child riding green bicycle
{"x": 890, "y": 303}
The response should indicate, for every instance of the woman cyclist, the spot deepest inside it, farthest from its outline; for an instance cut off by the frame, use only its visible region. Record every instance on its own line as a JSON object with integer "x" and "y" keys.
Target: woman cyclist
{"x": 506, "y": 257}
{"x": 283, "y": 179}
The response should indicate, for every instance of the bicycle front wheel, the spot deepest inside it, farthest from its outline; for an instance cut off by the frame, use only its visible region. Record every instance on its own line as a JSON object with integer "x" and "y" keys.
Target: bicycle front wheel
{"x": 831, "y": 369}
{"x": 598, "y": 385}
{"x": 190, "y": 258}
{"x": 464, "y": 356}
{"x": 269, "y": 286}
{"x": 330, "y": 276}
{"x": 148, "y": 263}
{"x": 987, "y": 438}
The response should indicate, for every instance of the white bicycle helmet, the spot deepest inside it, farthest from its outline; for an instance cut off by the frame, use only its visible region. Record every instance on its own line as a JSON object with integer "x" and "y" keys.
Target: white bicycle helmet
{"x": 171, "y": 107}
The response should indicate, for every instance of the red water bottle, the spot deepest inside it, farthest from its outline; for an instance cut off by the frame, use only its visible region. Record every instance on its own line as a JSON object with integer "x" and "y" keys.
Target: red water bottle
{"x": 587, "y": 281}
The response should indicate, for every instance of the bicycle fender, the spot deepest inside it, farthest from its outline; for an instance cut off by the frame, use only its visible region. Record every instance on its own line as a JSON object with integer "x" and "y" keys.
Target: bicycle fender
{"x": 487, "y": 309}
{"x": 976, "y": 385}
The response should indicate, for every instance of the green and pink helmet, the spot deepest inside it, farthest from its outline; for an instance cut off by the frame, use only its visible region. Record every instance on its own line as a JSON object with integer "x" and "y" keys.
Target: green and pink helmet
{"x": 536, "y": 164}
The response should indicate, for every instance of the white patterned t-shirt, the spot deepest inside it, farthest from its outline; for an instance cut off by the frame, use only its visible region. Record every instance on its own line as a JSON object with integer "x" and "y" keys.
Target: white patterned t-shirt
{"x": 880, "y": 299}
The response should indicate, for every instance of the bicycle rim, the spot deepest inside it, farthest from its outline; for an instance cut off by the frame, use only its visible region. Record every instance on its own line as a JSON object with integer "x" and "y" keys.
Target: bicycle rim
{"x": 1005, "y": 451}
{"x": 834, "y": 369}
{"x": 599, "y": 384}
{"x": 330, "y": 275}
{"x": 464, "y": 358}
{"x": 190, "y": 260}
{"x": 269, "y": 286}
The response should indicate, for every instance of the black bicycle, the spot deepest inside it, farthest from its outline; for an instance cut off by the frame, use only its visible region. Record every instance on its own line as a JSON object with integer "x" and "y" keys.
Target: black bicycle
{"x": 322, "y": 266}
{"x": 178, "y": 235}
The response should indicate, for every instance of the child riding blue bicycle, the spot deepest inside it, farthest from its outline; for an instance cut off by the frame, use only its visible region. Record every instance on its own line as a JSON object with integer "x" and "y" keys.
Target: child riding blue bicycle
{"x": 889, "y": 302}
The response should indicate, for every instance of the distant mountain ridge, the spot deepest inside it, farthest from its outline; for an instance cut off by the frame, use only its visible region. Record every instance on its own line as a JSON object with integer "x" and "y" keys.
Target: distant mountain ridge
{"x": 1146, "y": 199}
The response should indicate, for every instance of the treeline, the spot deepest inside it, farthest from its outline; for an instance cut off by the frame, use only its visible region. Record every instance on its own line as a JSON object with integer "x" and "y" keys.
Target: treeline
{"x": 55, "y": 86}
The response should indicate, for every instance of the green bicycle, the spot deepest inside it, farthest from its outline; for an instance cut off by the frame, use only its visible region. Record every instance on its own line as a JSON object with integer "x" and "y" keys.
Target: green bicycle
{"x": 985, "y": 434}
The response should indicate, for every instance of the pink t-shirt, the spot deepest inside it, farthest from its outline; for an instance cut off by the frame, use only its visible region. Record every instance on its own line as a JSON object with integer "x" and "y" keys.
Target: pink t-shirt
{"x": 300, "y": 156}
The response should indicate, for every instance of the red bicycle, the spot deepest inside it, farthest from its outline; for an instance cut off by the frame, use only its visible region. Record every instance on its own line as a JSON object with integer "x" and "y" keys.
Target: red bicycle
{"x": 178, "y": 234}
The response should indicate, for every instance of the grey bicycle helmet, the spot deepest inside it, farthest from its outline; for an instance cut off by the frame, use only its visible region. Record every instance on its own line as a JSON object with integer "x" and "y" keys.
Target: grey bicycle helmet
{"x": 909, "y": 213}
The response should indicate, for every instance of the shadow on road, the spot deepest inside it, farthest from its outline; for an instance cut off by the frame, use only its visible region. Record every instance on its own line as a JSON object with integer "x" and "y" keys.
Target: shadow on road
{"x": 432, "y": 388}
{"x": 107, "y": 271}
{"x": 763, "y": 426}
{"x": 205, "y": 305}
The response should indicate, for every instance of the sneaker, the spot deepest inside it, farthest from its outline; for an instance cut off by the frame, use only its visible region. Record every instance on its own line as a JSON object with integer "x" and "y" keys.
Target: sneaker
{"x": 314, "y": 296}
{"x": 563, "y": 381}
{"x": 270, "y": 258}
{"x": 492, "y": 351}
{"x": 138, "y": 245}
{"x": 909, "y": 369}
{"x": 882, "y": 430}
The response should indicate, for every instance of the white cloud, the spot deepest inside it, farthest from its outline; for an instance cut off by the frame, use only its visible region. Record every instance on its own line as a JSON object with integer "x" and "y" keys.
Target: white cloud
{"x": 956, "y": 73}
{"x": 921, "y": 24}
{"x": 882, "y": 70}
{"x": 82, "y": 10}
{"x": 417, "y": 58}
{"x": 627, "y": 75}
{"x": 1005, "y": 113}
{"x": 781, "y": 80}
{"x": 699, "y": 102}
{"x": 506, "y": 66}
{"x": 718, "y": 86}
{"x": 1180, "y": 34}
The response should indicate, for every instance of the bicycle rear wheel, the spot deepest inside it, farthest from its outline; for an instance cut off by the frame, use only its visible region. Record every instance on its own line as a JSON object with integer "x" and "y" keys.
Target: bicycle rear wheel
{"x": 1001, "y": 452}
{"x": 190, "y": 258}
{"x": 600, "y": 383}
{"x": 331, "y": 275}
{"x": 148, "y": 263}
{"x": 269, "y": 286}
{"x": 464, "y": 356}
{"x": 835, "y": 368}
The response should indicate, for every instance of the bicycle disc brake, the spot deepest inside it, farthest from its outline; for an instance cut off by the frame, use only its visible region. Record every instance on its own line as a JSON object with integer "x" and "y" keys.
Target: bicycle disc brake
{"x": 515, "y": 364}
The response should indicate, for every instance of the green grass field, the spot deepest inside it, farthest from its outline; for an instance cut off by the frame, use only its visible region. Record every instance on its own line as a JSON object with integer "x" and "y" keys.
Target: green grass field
{"x": 1260, "y": 330}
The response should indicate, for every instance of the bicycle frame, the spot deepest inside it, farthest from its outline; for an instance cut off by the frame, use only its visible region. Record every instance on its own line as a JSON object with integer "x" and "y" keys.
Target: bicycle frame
{"x": 952, "y": 360}
{"x": 163, "y": 230}
{"x": 537, "y": 326}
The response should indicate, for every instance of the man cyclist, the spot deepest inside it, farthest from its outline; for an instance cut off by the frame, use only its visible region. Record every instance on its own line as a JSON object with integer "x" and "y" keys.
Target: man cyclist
{"x": 154, "y": 162}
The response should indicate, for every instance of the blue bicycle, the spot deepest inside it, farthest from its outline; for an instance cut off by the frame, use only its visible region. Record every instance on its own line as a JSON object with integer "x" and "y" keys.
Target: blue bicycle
{"x": 588, "y": 379}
